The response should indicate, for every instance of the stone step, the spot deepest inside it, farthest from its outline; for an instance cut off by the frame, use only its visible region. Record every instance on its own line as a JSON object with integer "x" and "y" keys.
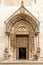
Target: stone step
{"x": 22, "y": 63}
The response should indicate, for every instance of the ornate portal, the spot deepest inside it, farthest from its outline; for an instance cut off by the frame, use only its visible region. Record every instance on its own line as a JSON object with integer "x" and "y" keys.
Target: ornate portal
{"x": 22, "y": 29}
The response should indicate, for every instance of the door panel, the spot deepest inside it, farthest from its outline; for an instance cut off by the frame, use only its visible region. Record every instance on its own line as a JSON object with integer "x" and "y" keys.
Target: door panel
{"x": 22, "y": 40}
{"x": 22, "y": 46}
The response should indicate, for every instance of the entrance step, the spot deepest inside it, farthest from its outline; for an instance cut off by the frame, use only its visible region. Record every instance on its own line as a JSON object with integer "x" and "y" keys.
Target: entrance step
{"x": 22, "y": 62}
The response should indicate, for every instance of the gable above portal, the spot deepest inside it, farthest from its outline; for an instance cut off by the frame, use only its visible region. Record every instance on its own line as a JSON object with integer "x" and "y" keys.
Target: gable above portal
{"x": 22, "y": 14}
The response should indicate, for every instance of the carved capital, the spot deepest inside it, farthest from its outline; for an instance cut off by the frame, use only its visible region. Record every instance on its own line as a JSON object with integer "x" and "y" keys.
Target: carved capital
{"x": 37, "y": 33}
{"x": 7, "y": 33}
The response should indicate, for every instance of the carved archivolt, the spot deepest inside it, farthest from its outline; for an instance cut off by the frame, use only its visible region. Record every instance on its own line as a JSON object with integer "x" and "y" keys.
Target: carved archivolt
{"x": 20, "y": 17}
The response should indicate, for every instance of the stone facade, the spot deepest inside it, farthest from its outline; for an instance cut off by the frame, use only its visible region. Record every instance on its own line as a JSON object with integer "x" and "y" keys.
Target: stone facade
{"x": 20, "y": 27}
{"x": 22, "y": 22}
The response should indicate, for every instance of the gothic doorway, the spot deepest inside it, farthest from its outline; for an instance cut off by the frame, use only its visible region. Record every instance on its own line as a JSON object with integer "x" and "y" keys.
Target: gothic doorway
{"x": 22, "y": 30}
{"x": 22, "y": 43}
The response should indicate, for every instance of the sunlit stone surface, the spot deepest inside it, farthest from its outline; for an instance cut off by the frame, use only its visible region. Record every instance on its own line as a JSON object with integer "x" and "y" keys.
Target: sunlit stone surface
{"x": 14, "y": 2}
{"x": 7, "y": 8}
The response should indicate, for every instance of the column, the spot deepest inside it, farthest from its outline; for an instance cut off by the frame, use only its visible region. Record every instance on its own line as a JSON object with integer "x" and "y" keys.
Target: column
{"x": 35, "y": 41}
{"x": 9, "y": 42}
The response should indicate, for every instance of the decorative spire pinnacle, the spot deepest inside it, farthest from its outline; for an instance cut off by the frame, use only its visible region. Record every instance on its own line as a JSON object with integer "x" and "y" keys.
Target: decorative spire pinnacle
{"x": 22, "y": 3}
{"x": 35, "y": 1}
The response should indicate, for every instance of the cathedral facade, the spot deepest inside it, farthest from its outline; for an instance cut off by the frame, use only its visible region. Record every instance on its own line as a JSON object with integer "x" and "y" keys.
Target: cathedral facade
{"x": 20, "y": 38}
